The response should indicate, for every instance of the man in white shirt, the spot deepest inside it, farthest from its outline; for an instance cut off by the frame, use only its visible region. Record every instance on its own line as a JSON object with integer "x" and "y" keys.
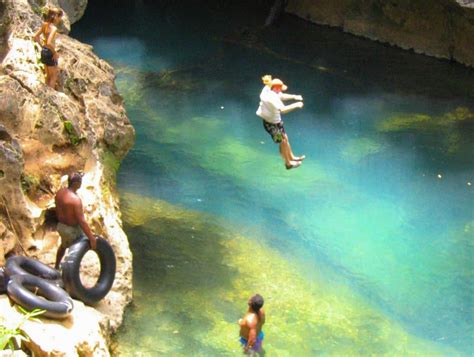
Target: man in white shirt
{"x": 270, "y": 109}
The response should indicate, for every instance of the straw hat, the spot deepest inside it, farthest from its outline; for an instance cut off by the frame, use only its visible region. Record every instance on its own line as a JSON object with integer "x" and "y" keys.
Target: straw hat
{"x": 278, "y": 82}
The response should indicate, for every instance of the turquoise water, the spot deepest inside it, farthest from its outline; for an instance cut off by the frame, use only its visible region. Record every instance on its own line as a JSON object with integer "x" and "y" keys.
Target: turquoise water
{"x": 377, "y": 224}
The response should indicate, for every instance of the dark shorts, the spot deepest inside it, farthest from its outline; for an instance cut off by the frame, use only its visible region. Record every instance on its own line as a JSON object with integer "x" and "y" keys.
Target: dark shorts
{"x": 276, "y": 131}
{"x": 47, "y": 57}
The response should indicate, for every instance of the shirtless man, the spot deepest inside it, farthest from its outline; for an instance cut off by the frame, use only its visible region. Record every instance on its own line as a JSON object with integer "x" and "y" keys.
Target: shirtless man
{"x": 70, "y": 214}
{"x": 251, "y": 334}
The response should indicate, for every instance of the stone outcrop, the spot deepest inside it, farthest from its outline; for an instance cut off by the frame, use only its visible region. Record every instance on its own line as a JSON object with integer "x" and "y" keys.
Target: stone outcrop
{"x": 73, "y": 8}
{"x": 77, "y": 335}
{"x": 439, "y": 28}
{"x": 46, "y": 134}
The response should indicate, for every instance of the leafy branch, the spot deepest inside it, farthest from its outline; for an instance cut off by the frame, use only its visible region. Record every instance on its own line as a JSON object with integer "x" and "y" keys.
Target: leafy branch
{"x": 12, "y": 337}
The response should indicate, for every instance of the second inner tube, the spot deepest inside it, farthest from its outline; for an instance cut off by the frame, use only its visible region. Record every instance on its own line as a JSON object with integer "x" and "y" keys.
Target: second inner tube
{"x": 71, "y": 271}
{"x": 57, "y": 303}
{"x": 23, "y": 265}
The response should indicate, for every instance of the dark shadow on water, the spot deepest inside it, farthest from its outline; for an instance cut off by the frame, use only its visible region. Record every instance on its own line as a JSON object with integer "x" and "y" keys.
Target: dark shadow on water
{"x": 166, "y": 248}
{"x": 177, "y": 266}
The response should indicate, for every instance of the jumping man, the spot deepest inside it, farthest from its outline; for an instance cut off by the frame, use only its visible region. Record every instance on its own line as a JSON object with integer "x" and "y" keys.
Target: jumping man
{"x": 270, "y": 109}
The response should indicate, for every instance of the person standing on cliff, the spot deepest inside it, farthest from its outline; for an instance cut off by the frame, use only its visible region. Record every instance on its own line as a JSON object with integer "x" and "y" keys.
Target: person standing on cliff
{"x": 270, "y": 109}
{"x": 70, "y": 215}
{"x": 49, "y": 56}
{"x": 251, "y": 334}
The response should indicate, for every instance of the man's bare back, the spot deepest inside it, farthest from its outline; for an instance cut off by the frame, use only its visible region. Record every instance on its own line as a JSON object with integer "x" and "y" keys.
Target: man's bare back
{"x": 68, "y": 204}
{"x": 69, "y": 207}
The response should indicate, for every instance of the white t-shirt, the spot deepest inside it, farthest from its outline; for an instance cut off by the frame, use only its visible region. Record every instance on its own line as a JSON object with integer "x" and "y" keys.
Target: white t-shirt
{"x": 270, "y": 106}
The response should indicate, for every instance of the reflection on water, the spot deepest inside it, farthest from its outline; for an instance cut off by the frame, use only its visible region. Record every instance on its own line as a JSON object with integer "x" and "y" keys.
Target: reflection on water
{"x": 365, "y": 249}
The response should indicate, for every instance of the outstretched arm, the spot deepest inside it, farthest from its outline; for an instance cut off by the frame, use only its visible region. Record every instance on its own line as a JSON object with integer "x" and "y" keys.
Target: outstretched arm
{"x": 286, "y": 96}
{"x": 291, "y": 107}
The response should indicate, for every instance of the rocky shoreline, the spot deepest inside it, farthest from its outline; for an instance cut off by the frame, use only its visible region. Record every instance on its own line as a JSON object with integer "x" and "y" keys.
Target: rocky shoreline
{"x": 438, "y": 28}
{"x": 44, "y": 135}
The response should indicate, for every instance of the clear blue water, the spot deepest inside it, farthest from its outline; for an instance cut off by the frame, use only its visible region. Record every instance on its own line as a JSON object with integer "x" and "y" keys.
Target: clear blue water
{"x": 383, "y": 204}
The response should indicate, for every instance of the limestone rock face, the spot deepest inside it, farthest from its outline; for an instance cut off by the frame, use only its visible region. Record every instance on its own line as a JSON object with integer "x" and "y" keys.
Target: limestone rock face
{"x": 73, "y": 8}
{"x": 46, "y": 134}
{"x": 84, "y": 333}
{"x": 12, "y": 200}
{"x": 439, "y": 28}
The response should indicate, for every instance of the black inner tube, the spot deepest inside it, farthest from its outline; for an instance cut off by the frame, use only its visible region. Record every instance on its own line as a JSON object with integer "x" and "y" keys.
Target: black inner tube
{"x": 51, "y": 298}
{"x": 23, "y": 265}
{"x": 71, "y": 271}
{"x": 3, "y": 281}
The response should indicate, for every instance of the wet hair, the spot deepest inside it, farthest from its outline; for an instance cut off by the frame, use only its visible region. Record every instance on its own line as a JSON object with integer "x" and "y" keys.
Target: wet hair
{"x": 52, "y": 13}
{"x": 256, "y": 303}
{"x": 74, "y": 178}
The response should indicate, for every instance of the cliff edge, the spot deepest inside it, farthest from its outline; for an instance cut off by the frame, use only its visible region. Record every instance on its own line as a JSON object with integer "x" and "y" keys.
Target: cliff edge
{"x": 46, "y": 134}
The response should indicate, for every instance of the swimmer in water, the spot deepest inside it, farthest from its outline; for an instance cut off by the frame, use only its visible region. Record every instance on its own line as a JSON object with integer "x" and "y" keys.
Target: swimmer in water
{"x": 251, "y": 334}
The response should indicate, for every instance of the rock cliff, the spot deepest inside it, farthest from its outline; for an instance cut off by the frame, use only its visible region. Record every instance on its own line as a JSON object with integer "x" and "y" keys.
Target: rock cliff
{"x": 439, "y": 28}
{"x": 46, "y": 134}
{"x": 73, "y": 8}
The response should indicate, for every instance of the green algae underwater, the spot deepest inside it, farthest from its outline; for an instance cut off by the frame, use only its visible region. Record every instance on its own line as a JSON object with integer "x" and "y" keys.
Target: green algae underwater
{"x": 204, "y": 270}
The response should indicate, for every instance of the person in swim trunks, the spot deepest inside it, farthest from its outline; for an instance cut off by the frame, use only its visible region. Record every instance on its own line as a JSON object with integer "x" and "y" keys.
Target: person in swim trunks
{"x": 251, "y": 334}
{"x": 49, "y": 56}
{"x": 70, "y": 215}
{"x": 270, "y": 109}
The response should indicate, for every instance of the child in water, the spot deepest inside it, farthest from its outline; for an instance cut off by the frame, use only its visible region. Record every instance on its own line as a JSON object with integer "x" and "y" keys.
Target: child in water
{"x": 251, "y": 334}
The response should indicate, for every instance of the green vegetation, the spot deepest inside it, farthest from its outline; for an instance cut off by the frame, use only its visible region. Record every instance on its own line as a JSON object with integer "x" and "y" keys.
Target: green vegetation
{"x": 11, "y": 337}
{"x": 111, "y": 166}
{"x": 447, "y": 127}
{"x": 111, "y": 163}
{"x": 410, "y": 121}
{"x": 130, "y": 87}
{"x": 29, "y": 183}
{"x": 74, "y": 137}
